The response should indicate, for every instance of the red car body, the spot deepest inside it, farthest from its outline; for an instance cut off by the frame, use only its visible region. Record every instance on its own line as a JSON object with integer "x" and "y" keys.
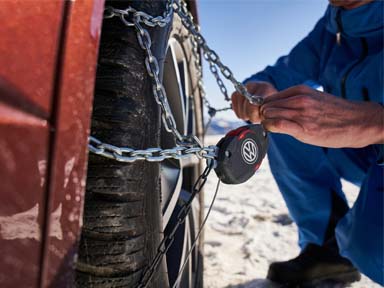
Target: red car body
{"x": 48, "y": 59}
{"x": 48, "y": 55}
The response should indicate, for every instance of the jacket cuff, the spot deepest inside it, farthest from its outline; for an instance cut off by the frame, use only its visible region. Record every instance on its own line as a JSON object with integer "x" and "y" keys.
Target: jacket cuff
{"x": 379, "y": 148}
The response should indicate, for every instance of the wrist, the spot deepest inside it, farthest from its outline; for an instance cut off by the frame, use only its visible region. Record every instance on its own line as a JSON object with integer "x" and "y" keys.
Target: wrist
{"x": 373, "y": 124}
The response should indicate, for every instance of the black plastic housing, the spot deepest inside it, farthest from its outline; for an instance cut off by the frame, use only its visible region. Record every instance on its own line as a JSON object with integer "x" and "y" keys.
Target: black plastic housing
{"x": 240, "y": 153}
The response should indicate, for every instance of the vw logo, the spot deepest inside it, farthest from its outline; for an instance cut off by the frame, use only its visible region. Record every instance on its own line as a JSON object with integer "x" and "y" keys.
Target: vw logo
{"x": 249, "y": 151}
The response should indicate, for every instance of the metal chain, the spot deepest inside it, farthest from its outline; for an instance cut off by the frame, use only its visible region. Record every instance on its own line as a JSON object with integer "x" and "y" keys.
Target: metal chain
{"x": 210, "y": 55}
{"x": 129, "y": 15}
{"x": 219, "y": 82}
{"x": 133, "y": 18}
{"x": 153, "y": 70}
{"x": 167, "y": 241}
{"x": 199, "y": 70}
{"x": 129, "y": 155}
{"x": 187, "y": 144}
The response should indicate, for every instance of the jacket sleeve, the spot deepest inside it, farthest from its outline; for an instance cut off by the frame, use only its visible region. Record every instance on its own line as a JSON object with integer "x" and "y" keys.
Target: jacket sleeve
{"x": 300, "y": 66}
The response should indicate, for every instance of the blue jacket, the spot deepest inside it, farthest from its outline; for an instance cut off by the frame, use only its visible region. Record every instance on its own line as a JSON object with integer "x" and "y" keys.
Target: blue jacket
{"x": 351, "y": 67}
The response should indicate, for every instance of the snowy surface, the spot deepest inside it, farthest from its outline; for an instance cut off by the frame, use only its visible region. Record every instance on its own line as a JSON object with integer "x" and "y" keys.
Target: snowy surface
{"x": 249, "y": 228}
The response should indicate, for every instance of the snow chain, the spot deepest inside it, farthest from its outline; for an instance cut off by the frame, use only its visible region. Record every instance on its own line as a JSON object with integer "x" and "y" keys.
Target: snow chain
{"x": 187, "y": 145}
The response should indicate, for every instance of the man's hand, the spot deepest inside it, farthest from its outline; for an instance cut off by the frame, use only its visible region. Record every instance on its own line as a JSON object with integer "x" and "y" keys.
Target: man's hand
{"x": 245, "y": 110}
{"x": 322, "y": 119}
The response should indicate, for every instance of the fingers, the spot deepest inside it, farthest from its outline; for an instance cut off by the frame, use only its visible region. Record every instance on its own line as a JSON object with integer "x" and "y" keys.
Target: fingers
{"x": 235, "y": 103}
{"x": 284, "y": 113}
{"x": 298, "y": 103}
{"x": 243, "y": 109}
{"x": 253, "y": 112}
{"x": 261, "y": 88}
{"x": 238, "y": 102}
{"x": 284, "y": 126}
{"x": 287, "y": 93}
{"x": 244, "y": 114}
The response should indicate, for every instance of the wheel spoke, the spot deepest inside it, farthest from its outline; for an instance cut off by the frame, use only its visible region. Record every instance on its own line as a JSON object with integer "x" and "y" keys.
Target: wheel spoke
{"x": 171, "y": 181}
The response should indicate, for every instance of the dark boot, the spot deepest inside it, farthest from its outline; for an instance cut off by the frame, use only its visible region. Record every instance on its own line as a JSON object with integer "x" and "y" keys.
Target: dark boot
{"x": 315, "y": 265}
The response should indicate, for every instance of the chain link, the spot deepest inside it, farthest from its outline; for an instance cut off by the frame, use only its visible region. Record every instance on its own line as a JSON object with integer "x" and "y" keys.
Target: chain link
{"x": 200, "y": 84}
{"x": 129, "y": 155}
{"x": 219, "y": 82}
{"x": 130, "y": 15}
{"x": 210, "y": 55}
{"x": 159, "y": 93}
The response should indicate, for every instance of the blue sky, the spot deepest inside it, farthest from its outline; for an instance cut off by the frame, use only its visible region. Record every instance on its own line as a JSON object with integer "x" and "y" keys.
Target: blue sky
{"x": 250, "y": 34}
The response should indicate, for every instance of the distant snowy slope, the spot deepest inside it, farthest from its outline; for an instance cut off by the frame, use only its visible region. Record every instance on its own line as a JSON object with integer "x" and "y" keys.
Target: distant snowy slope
{"x": 221, "y": 126}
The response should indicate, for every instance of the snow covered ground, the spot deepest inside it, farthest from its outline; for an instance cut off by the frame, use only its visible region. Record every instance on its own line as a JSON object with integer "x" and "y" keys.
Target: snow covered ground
{"x": 249, "y": 228}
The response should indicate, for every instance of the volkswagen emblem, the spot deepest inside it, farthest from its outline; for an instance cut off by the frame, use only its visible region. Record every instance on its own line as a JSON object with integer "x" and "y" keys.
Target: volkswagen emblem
{"x": 249, "y": 151}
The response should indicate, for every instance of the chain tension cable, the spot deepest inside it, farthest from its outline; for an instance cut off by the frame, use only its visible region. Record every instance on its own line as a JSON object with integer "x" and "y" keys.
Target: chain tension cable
{"x": 167, "y": 241}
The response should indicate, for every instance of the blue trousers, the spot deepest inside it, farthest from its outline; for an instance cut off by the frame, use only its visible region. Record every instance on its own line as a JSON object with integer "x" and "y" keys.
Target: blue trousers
{"x": 309, "y": 180}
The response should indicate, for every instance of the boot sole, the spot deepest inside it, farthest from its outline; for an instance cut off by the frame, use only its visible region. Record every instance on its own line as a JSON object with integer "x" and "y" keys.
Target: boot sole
{"x": 332, "y": 281}
{"x": 337, "y": 280}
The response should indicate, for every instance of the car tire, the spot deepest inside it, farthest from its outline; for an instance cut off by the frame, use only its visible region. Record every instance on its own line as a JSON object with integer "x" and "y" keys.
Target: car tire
{"x": 125, "y": 205}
